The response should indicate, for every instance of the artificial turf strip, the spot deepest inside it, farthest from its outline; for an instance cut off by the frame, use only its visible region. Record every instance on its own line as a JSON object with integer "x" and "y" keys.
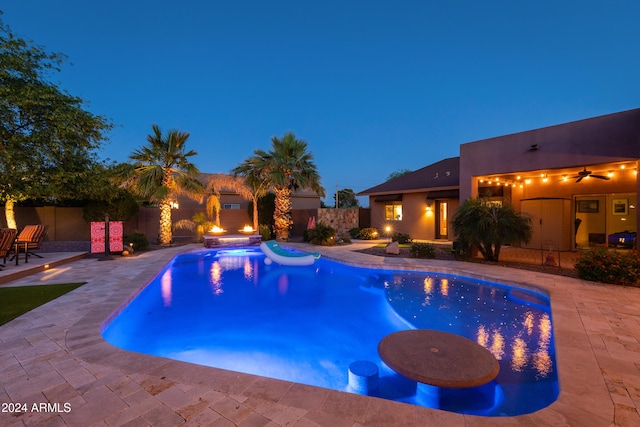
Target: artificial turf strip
{"x": 15, "y": 301}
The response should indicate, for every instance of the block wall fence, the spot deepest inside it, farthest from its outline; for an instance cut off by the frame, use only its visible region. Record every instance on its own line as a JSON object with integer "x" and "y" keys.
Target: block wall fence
{"x": 67, "y": 224}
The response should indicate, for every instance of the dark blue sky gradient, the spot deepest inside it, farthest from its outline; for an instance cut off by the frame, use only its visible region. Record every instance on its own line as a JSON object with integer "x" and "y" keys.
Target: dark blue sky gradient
{"x": 373, "y": 86}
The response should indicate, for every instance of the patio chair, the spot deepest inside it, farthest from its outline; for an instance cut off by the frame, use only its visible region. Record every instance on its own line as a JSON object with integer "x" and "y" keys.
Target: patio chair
{"x": 29, "y": 240}
{"x": 7, "y": 240}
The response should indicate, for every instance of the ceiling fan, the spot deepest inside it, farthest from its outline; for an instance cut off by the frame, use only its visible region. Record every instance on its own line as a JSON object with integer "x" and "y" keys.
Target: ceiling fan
{"x": 585, "y": 173}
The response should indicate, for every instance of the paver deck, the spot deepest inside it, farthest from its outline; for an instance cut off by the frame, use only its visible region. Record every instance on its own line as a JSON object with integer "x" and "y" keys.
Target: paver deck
{"x": 55, "y": 354}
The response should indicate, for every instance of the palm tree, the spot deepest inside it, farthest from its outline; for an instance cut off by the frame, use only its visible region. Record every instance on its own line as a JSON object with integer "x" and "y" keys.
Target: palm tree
{"x": 222, "y": 182}
{"x": 162, "y": 171}
{"x": 198, "y": 223}
{"x": 286, "y": 167}
{"x": 255, "y": 181}
{"x": 488, "y": 226}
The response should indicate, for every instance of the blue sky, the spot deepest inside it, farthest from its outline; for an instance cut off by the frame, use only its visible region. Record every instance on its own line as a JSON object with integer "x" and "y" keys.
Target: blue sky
{"x": 373, "y": 86}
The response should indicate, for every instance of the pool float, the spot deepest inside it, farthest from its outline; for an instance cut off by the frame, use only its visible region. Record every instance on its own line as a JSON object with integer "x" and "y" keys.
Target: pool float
{"x": 275, "y": 253}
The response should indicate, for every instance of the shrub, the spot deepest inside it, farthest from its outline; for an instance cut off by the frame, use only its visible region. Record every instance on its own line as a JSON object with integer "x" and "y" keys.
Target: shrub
{"x": 487, "y": 226}
{"x": 602, "y": 265}
{"x": 139, "y": 240}
{"x": 354, "y": 232}
{"x": 400, "y": 238}
{"x": 461, "y": 249}
{"x": 422, "y": 250}
{"x": 121, "y": 208}
{"x": 344, "y": 239}
{"x": 322, "y": 234}
{"x": 368, "y": 234}
{"x": 265, "y": 231}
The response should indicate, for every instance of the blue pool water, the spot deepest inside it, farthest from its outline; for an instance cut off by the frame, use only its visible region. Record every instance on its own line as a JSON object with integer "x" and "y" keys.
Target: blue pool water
{"x": 228, "y": 309}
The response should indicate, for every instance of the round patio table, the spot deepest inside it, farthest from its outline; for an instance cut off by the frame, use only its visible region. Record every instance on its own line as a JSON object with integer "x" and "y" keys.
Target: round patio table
{"x": 438, "y": 358}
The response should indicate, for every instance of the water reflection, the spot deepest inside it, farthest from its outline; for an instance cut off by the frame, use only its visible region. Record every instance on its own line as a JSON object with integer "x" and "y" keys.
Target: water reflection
{"x": 520, "y": 354}
{"x": 542, "y": 359}
{"x": 216, "y": 278}
{"x": 229, "y": 263}
{"x": 516, "y": 332}
{"x": 538, "y": 358}
{"x": 165, "y": 288}
{"x": 248, "y": 269}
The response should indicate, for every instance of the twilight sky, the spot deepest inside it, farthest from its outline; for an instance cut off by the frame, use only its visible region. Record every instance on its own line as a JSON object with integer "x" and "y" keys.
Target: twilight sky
{"x": 373, "y": 86}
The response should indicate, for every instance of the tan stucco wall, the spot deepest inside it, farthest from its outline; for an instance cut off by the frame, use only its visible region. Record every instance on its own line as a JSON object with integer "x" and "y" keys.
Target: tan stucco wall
{"x": 416, "y": 221}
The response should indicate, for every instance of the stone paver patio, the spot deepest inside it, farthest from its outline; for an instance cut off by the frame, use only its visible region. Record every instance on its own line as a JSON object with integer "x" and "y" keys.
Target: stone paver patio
{"x": 55, "y": 354}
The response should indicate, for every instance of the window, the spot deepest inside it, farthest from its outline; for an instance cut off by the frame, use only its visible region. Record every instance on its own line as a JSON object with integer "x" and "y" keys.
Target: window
{"x": 231, "y": 206}
{"x": 393, "y": 212}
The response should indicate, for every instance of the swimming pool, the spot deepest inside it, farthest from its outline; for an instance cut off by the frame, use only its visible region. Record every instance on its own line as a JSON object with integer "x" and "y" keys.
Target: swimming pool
{"x": 227, "y": 309}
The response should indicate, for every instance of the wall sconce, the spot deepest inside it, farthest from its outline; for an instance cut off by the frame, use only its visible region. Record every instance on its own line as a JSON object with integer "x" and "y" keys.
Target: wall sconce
{"x": 428, "y": 206}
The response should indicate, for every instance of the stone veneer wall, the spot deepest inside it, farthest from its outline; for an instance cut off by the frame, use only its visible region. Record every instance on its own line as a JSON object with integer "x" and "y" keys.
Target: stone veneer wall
{"x": 342, "y": 220}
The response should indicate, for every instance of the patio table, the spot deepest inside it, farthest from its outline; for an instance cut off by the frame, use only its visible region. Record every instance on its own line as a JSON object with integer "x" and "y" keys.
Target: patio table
{"x": 438, "y": 359}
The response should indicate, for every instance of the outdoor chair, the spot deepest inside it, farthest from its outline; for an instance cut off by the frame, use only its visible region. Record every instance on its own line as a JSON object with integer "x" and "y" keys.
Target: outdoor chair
{"x": 29, "y": 240}
{"x": 7, "y": 240}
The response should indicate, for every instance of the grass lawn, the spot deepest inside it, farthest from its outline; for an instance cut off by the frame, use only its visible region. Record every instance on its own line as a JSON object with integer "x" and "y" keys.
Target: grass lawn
{"x": 401, "y": 245}
{"x": 15, "y": 301}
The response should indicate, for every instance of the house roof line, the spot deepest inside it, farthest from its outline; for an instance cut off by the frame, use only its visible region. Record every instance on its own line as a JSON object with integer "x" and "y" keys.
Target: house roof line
{"x": 414, "y": 190}
{"x": 440, "y": 175}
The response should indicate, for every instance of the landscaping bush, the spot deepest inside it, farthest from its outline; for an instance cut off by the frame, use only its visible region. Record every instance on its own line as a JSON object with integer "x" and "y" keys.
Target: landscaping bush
{"x": 344, "y": 239}
{"x": 422, "y": 250}
{"x": 400, "y": 238}
{"x": 461, "y": 249}
{"x": 354, "y": 232}
{"x": 265, "y": 231}
{"x": 488, "y": 226}
{"x": 602, "y": 265}
{"x": 139, "y": 240}
{"x": 322, "y": 234}
{"x": 369, "y": 234}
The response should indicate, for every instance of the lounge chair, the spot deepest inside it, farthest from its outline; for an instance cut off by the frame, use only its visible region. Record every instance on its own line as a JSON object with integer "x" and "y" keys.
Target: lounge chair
{"x": 29, "y": 240}
{"x": 7, "y": 241}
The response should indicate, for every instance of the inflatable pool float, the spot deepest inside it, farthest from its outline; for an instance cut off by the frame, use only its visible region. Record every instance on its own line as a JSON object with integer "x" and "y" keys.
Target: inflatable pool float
{"x": 275, "y": 253}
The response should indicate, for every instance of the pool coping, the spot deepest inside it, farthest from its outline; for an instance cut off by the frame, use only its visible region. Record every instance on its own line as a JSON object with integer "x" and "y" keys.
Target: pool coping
{"x": 575, "y": 404}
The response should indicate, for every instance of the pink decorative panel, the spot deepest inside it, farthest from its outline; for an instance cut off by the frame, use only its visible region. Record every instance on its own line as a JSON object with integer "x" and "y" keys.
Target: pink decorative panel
{"x": 115, "y": 236}
{"x": 97, "y": 237}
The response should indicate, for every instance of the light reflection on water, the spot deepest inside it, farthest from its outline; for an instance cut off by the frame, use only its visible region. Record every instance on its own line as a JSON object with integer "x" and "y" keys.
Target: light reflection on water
{"x": 522, "y": 337}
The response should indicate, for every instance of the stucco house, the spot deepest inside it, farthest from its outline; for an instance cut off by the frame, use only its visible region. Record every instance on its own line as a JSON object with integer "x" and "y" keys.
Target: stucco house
{"x": 419, "y": 203}
{"x": 578, "y": 182}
